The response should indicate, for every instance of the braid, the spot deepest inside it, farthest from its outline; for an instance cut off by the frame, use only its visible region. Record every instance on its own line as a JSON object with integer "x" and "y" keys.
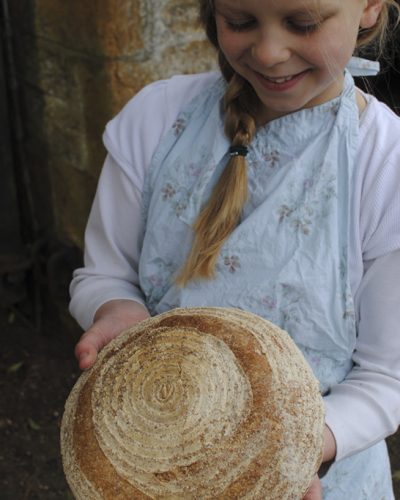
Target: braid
{"x": 222, "y": 213}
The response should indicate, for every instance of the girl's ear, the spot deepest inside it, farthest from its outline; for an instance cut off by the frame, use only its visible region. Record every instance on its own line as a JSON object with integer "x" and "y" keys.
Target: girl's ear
{"x": 371, "y": 13}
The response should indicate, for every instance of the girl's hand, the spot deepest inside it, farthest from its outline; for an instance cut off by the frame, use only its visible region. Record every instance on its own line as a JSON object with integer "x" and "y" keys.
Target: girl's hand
{"x": 314, "y": 492}
{"x": 111, "y": 318}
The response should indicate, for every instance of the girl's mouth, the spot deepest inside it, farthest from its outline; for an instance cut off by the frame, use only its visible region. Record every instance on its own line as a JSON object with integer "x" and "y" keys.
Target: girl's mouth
{"x": 280, "y": 84}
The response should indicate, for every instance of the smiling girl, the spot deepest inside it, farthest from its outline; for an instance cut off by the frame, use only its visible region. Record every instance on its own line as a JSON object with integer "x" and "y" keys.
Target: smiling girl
{"x": 273, "y": 187}
{"x": 292, "y": 54}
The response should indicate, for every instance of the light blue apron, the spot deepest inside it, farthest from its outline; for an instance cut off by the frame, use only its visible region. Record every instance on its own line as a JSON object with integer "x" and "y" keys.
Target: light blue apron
{"x": 287, "y": 259}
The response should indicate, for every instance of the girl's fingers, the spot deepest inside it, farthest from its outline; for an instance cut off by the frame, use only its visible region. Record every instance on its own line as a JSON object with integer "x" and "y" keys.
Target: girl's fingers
{"x": 86, "y": 358}
{"x": 315, "y": 490}
{"x": 92, "y": 342}
{"x": 86, "y": 351}
{"x": 111, "y": 319}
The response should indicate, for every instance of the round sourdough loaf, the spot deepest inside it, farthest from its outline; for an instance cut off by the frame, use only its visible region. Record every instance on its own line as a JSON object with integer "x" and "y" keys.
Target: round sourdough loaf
{"x": 195, "y": 403}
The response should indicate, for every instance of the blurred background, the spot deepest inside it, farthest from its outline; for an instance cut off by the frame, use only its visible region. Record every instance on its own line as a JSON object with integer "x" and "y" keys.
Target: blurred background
{"x": 66, "y": 68}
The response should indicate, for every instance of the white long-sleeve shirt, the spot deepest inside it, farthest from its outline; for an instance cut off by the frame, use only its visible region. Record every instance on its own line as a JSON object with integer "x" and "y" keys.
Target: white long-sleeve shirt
{"x": 365, "y": 407}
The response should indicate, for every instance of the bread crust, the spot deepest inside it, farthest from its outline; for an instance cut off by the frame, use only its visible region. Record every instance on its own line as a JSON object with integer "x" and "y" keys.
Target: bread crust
{"x": 195, "y": 403}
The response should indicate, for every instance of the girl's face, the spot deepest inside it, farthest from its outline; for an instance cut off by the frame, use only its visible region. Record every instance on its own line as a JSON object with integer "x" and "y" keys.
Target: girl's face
{"x": 293, "y": 52}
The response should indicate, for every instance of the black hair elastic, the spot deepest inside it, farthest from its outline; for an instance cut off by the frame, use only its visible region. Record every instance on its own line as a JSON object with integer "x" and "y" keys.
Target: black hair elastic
{"x": 238, "y": 151}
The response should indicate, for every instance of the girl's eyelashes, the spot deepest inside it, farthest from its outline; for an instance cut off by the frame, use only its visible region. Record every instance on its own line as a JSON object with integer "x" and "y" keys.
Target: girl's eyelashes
{"x": 296, "y": 26}
{"x": 240, "y": 25}
{"x": 305, "y": 28}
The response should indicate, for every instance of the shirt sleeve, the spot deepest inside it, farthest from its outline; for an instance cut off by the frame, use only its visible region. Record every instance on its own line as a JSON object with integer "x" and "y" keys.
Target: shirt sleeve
{"x": 112, "y": 236}
{"x": 111, "y": 250}
{"x": 111, "y": 246}
{"x": 365, "y": 408}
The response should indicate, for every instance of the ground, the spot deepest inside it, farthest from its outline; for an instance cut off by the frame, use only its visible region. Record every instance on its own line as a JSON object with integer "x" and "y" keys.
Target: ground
{"x": 37, "y": 371}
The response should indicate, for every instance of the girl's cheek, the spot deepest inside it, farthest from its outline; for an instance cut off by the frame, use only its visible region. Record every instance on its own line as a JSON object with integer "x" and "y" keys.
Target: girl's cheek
{"x": 230, "y": 47}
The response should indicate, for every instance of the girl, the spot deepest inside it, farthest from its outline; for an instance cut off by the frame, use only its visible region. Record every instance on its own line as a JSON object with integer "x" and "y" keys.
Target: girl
{"x": 273, "y": 188}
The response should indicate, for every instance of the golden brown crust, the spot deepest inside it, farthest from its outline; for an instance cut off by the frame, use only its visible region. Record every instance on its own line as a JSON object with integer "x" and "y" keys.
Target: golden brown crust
{"x": 195, "y": 403}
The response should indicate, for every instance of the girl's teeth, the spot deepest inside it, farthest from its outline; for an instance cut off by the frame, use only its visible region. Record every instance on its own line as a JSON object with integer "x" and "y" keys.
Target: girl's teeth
{"x": 279, "y": 80}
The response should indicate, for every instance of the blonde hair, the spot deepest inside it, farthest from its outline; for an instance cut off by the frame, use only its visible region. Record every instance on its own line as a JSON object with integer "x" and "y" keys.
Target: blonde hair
{"x": 222, "y": 213}
{"x": 377, "y": 35}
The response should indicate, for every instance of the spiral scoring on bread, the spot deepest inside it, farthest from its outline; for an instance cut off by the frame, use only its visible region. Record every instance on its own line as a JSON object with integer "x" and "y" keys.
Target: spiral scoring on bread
{"x": 195, "y": 403}
{"x": 163, "y": 393}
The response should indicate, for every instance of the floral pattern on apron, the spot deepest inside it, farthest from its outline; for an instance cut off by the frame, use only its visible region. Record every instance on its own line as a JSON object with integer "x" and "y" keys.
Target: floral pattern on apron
{"x": 287, "y": 260}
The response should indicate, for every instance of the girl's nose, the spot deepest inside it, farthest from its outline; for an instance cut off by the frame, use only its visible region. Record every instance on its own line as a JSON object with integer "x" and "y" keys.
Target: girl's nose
{"x": 270, "y": 49}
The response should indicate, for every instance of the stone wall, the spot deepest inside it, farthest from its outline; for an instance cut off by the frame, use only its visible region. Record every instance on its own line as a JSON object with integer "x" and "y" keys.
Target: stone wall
{"x": 78, "y": 63}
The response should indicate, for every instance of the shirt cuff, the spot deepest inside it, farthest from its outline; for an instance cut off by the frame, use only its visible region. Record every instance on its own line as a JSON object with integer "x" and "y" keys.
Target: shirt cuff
{"x": 83, "y": 306}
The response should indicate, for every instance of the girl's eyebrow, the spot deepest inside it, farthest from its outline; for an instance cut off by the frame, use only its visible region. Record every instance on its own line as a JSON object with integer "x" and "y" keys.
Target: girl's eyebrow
{"x": 228, "y": 7}
{"x": 313, "y": 9}
{"x": 309, "y": 8}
